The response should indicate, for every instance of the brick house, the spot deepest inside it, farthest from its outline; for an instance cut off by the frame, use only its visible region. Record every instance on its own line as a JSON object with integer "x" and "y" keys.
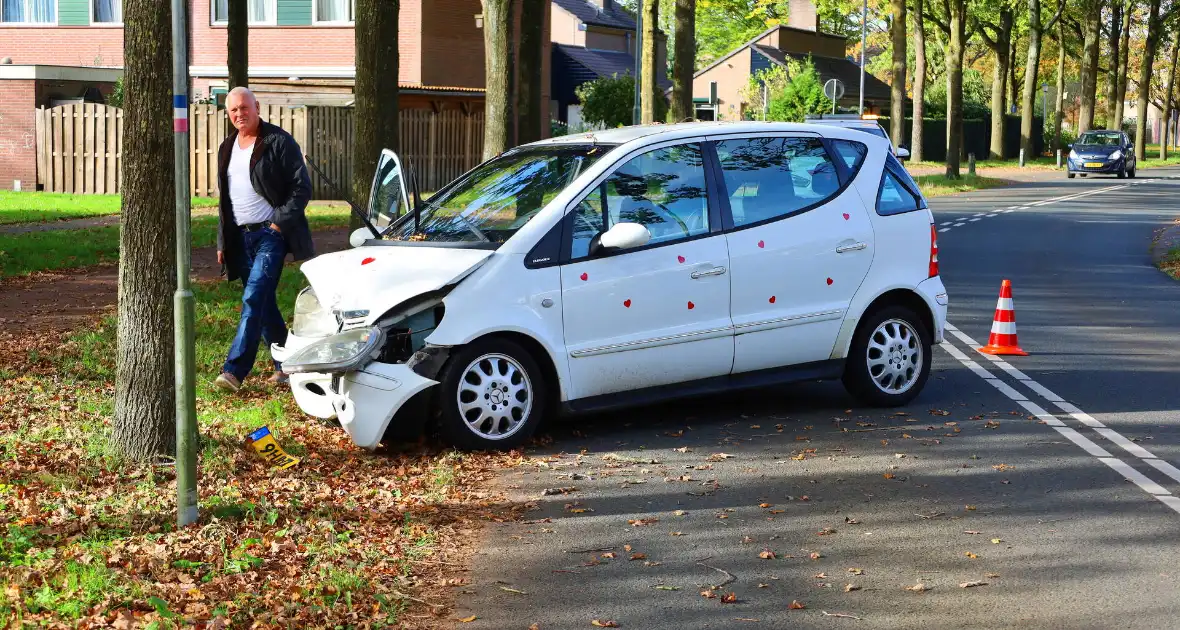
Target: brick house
{"x": 593, "y": 39}
{"x": 301, "y": 53}
{"x": 777, "y": 46}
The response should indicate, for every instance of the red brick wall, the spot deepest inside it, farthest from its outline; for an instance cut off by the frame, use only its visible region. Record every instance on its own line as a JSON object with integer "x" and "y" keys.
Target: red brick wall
{"x": 63, "y": 45}
{"x": 18, "y": 128}
{"x": 452, "y": 47}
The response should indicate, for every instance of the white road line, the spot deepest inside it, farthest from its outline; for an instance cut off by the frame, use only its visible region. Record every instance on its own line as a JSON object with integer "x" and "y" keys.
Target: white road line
{"x": 960, "y": 224}
{"x": 1008, "y": 210}
{"x": 994, "y": 214}
{"x": 973, "y": 220}
{"x": 1165, "y": 468}
{"x": 1172, "y": 502}
{"x": 946, "y": 223}
{"x": 1128, "y": 445}
{"x": 980, "y": 214}
{"x": 1006, "y": 389}
{"x": 945, "y": 230}
{"x": 1139, "y": 478}
{"x": 1040, "y": 413}
{"x": 961, "y": 219}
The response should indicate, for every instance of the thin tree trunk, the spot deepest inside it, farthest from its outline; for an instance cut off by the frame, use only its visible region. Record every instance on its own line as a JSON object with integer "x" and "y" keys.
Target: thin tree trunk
{"x": 1166, "y": 120}
{"x": 1000, "y": 47}
{"x": 497, "y": 24}
{"x": 530, "y": 126}
{"x": 919, "y": 82}
{"x": 1124, "y": 60}
{"x": 1036, "y": 31}
{"x": 1112, "y": 76}
{"x": 649, "y": 85}
{"x": 954, "y": 93}
{"x": 1059, "y": 106}
{"x": 685, "y": 53}
{"x": 375, "y": 119}
{"x": 145, "y": 407}
{"x": 897, "y": 95}
{"x": 1091, "y": 47}
{"x": 1145, "y": 67}
{"x": 1013, "y": 77}
{"x": 237, "y": 32}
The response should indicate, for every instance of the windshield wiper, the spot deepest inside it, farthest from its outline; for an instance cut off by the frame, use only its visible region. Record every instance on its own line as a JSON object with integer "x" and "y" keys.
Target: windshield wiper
{"x": 474, "y": 230}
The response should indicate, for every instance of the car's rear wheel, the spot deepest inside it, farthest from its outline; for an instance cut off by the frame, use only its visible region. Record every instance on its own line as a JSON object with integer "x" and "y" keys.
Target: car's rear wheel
{"x": 1123, "y": 171}
{"x": 889, "y": 361}
{"x": 1070, "y": 175}
{"x": 492, "y": 395}
{"x": 1131, "y": 173}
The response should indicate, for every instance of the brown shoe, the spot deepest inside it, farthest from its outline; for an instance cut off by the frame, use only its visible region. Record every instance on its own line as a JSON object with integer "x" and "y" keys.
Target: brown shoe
{"x": 279, "y": 378}
{"x": 228, "y": 382}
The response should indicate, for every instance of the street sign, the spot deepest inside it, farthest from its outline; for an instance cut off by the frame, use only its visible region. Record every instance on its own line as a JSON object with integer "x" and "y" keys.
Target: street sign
{"x": 834, "y": 89}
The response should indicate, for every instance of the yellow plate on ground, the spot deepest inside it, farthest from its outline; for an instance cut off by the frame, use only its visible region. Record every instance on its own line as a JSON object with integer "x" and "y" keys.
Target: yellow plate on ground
{"x": 269, "y": 449}
{"x": 1094, "y": 164}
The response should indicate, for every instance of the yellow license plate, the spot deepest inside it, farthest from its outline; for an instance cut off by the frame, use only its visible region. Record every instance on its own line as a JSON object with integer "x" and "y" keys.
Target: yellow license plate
{"x": 1094, "y": 164}
{"x": 264, "y": 442}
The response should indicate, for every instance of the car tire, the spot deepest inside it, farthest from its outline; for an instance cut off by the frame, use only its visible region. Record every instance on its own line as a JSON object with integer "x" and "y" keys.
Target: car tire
{"x": 1123, "y": 172}
{"x": 1131, "y": 173}
{"x": 514, "y": 396}
{"x": 871, "y": 374}
{"x": 1070, "y": 175}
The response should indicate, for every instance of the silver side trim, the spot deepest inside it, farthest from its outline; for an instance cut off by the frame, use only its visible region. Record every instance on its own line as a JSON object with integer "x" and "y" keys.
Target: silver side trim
{"x": 655, "y": 342}
{"x": 783, "y": 322}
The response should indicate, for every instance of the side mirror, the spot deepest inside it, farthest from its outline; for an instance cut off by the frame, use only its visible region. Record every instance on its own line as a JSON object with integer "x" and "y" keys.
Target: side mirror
{"x": 359, "y": 236}
{"x": 903, "y": 153}
{"x": 625, "y": 236}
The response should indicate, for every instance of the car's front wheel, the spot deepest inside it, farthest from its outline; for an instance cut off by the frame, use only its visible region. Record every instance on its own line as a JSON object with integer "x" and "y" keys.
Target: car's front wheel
{"x": 889, "y": 361}
{"x": 491, "y": 396}
{"x": 1070, "y": 174}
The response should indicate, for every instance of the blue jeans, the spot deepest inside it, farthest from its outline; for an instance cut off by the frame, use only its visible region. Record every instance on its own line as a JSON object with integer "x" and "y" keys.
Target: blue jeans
{"x": 262, "y": 267}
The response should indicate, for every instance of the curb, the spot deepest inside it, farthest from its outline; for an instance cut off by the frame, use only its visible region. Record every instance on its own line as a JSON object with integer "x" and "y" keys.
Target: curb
{"x": 1166, "y": 239}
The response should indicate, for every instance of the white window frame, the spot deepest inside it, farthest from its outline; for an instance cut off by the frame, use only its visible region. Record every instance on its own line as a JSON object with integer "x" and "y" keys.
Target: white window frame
{"x": 315, "y": 19}
{"x": 273, "y": 7}
{"x": 56, "y": 18}
{"x": 102, "y": 24}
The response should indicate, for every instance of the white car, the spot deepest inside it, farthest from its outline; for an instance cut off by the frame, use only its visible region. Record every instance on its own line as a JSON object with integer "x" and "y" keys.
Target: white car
{"x": 619, "y": 267}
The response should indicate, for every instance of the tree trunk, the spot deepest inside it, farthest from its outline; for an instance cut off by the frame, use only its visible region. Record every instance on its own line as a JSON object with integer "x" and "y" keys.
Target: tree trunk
{"x": 685, "y": 54}
{"x": 1059, "y": 106}
{"x": 375, "y": 118}
{"x": 1145, "y": 67}
{"x": 919, "y": 82}
{"x": 1112, "y": 76}
{"x": 1090, "y": 44}
{"x": 649, "y": 85}
{"x": 1013, "y": 77}
{"x": 897, "y": 96}
{"x": 1124, "y": 59}
{"x": 1030, "y": 77}
{"x": 1001, "y": 47}
{"x": 530, "y": 125}
{"x": 1166, "y": 119}
{"x": 237, "y": 32}
{"x": 145, "y": 392}
{"x": 497, "y": 24}
{"x": 954, "y": 92}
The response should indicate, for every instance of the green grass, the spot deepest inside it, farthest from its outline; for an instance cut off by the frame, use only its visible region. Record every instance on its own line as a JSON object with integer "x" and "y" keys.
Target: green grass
{"x": 35, "y": 207}
{"x": 25, "y": 253}
{"x": 938, "y": 185}
{"x": 1039, "y": 162}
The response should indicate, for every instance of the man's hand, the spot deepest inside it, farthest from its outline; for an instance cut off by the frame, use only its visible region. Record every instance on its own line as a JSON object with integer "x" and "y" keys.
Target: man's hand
{"x": 275, "y": 227}
{"x": 221, "y": 258}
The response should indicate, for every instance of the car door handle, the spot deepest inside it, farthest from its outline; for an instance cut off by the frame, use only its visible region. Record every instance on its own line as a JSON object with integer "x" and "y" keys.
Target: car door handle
{"x": 715, "y": 271}
{"x": 850, "y": 248}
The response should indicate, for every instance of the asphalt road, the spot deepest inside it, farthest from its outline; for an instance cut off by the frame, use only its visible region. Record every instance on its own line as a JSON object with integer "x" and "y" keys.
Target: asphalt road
{"x": 1049, "y": 478}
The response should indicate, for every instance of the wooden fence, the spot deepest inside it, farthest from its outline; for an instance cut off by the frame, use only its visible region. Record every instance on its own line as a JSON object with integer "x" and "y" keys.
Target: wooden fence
{"x": 80, "y": 146}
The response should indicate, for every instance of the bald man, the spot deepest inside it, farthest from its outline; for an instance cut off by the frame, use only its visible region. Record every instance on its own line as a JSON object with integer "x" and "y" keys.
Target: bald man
{"x": 264, "y": 191}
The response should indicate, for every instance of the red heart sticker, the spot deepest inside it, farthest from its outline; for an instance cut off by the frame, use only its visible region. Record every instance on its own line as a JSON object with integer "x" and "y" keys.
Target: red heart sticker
{"x": 761, "y": 244}
{"x": 691, "y": 306}
{"x": 367, "y": 261}
{"x": 680, "y": 258}
{"x": 585, "y": 276}
{"x": 846, "y": 216}
{"x": 829, "y": 282}
{"x": 772, "y": 299}
{"x": 627, "y": 303}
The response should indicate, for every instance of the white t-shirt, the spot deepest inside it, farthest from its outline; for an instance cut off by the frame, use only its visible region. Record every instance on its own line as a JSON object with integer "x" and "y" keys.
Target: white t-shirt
{"x": 248, "y": 205}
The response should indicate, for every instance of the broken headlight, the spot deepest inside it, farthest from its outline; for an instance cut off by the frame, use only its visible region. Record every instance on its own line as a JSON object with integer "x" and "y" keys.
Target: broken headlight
{"x": 311, "y": 318}
{"x": 344, "y": 352}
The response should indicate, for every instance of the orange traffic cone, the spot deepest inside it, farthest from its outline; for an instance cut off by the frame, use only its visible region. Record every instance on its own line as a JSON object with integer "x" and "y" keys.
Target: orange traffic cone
{"x": 1003, "y": 336}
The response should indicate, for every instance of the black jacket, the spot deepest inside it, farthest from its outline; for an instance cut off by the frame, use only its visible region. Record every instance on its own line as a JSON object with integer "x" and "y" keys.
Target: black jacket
{"x": 279, "y": 175}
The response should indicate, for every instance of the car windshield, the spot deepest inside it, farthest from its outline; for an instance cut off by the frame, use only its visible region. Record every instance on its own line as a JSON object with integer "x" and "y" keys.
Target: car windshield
{"x": 1091, "y": 138}
{"x": 497, "y": 198}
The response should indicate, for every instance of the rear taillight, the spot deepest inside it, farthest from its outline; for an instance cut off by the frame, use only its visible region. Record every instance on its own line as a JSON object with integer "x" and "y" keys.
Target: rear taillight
{"x": 933, "y": 251}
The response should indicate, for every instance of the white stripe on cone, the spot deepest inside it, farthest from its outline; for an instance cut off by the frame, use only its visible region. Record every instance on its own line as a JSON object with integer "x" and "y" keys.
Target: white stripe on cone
{"x": 1003, "y": 328}
{"x": 1005, "y": 304}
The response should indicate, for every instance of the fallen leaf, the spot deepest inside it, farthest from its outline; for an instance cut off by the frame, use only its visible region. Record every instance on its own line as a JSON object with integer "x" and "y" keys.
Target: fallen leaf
{"x": 815, "y": 555}
{"x": 821, "y": 576}
{"x": 971, "y": 531}
{"x": 755, "y": 426}
{"x": 856, "y": 571}
{"x": 626, "y": 547}
{"x": 729, "y": 599}
{"x": 766, "y": 554}
{"x": 991, "y": 424}
{"x": 775, "y": 512}
{"x": 996, "y": 541}
{"x": 717, "y": 457}
{"x": 609, "y": 555}
{"x": 851, "y": 521}
{"x": 992, "y": 575}
{"x": 761, "y": 585}
{"x": 800, "y": 457}
{"x": 638, "y": 556}
{"x": 639, "y": 522}
{"x": 917, "y": 588}
{"x": 679, "y": 433}
{"x": 682, "y": 449}
{"x": 747, "y": 540}
{"x": 939, "y": 412}
{"x": 664, "y": 587}
{"x": 795, "y": 605}
{"x": 826, "y": 531}
{"x": 677, "y": 533}
{"x": 970, "y": 584}
{"x": 848, "y": 588}
{"x": 889, "y": 475}
{"x": 764, "y": 505}
{"x": 535, "y": 627}
{"x": 1003, "y": 467}
{"x": 709, "y": 594}
{"x": 971, "y": 555}
{"x": 604, "y": 624}
{"x": 469, "y": 619}
{"x": 971, "y": 508}
{"x": 679, "y": 513}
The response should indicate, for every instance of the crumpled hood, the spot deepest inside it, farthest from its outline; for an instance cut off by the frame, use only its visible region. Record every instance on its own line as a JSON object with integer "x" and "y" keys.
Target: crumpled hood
{"x": 377, "y": 278}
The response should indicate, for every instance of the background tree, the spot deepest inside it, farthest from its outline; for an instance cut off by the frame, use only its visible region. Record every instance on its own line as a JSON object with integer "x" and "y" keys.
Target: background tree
{"x": 1091, "y": 31}
{"x": 795, "y": 91}
{"x": 530, "y": 123}
{"x": 1036, "y": 30}
{"x": 722, "y": 25}
{"x": 145, "y": 408}
{"x": 897, "y": 30}
{"x": 1124, "y": 58}
{"x": 375, "y": 119}
{"x": 1000, "y": 42}
{"x": 919, "y": 81}
{"x": 1145, "y": 72}
{"x": 237, "y": 32}
{"x": 608, "y": 101}
{"x": 953, "y": 23}
{"x": 683, "y": 59}
{"x": 1112, "y": 74}
{"x": 649, "y": 86}
{"x": 1167, "y": 108}
{"x": 1059, "y": 107}
{"x": 497, "y": 25}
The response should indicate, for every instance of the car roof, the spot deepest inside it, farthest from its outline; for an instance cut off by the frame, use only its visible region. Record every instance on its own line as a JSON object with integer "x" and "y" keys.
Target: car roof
{"x": 660, "y": 132}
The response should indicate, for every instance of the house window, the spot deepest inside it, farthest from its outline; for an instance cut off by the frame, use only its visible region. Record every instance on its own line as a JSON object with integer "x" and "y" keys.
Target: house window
{"x": 334, "y": 11}
{"x": 28, "y": 11}
{"x": 259, "y": 11}
{"x": 106, "y": 12}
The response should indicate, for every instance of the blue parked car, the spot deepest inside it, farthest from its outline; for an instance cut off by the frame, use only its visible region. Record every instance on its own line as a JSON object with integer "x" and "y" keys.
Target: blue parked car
{"x": 1102, "y": 152}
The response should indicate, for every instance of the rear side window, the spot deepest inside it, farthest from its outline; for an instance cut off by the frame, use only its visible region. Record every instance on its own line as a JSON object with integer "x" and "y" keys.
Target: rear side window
{"x": 770, "y": 178}
{"x": 853, "y": 154}
{"x": 899, "y": 193}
